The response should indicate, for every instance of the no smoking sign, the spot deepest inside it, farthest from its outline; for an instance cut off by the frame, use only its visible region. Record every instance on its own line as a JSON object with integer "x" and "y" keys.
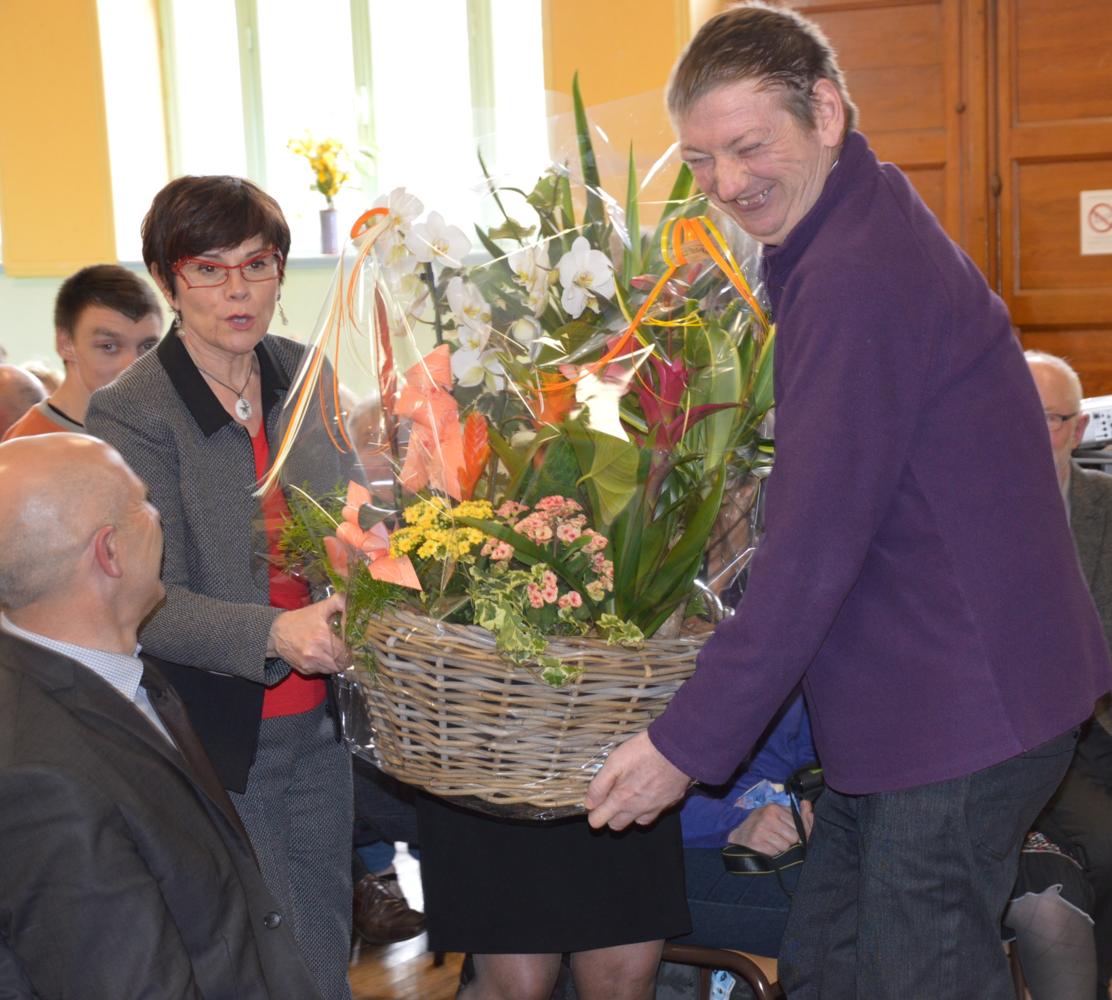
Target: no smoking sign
{"x": 1096, "y": 222}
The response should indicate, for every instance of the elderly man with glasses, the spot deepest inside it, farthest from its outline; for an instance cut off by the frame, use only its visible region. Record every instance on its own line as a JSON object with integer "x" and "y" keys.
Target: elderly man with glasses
{"x": 1065, "y": 948}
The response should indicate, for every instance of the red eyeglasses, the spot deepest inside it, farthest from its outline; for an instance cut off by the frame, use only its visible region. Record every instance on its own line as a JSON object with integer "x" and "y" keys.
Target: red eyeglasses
{"x": 199, "y": 272}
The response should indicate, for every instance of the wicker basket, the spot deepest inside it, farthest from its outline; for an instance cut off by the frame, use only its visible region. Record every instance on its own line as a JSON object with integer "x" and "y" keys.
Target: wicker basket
{"x": 446, "y": 713}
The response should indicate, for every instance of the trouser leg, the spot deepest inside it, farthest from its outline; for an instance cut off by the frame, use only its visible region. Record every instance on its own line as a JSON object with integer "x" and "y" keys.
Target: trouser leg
{"x": 903, "y": 892}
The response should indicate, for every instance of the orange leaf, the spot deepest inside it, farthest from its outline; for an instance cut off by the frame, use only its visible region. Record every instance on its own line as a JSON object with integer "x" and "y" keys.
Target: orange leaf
{"x": 476, "y": 453}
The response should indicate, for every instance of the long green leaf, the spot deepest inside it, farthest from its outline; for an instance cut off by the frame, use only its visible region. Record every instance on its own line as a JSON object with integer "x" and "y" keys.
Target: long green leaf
{"x": 672, "y": 582}
{"x": 761, "y": 395}
{"x": 510, "y": 458}
{"x": 594, "y": 211}
{"x": 718, "y": 380}
{"x": 632, "y": 265}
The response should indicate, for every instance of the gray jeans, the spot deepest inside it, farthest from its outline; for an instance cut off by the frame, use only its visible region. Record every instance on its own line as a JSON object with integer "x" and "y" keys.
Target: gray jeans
{"x": 902, "y": 894}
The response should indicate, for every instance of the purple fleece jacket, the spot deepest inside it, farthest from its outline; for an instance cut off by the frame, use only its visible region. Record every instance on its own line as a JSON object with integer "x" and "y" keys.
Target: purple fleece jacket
{"x": 917, "y": 569}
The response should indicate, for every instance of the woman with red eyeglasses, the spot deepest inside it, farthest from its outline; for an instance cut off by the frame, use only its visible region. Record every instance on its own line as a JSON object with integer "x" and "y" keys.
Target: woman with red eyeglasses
{"x": 198, "y": 420}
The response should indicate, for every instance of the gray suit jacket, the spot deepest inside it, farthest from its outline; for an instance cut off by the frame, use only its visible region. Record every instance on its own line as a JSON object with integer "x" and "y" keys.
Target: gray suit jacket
{"x": 119, "y": 876}
{"x": 199, "y": 467}
{"x": 1091, "y": 521}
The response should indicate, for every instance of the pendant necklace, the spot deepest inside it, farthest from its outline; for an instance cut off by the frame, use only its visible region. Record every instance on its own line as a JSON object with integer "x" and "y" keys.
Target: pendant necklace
{"x": 243, "y": 408}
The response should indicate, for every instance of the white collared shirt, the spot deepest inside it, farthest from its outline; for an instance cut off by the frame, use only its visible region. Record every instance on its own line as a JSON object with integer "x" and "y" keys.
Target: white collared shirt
{"x": 119, "y": 670}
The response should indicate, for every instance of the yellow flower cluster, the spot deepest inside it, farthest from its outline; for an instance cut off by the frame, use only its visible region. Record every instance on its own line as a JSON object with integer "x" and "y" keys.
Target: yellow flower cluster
{"x": 324, "y": 161}
{"x": 431, "y": 531}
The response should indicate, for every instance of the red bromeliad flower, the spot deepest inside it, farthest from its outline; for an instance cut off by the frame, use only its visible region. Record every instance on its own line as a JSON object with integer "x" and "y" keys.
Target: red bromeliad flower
{"x": 662, "y": 405}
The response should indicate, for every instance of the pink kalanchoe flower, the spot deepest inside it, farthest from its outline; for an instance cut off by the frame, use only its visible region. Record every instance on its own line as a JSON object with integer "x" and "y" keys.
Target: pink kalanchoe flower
{"x": 568, "y": 532}
{"x": 597, "y": 542}
{"x": 572, "y": 599}
{"x": 511, "y": 508}
{"x": 536, "y": 598}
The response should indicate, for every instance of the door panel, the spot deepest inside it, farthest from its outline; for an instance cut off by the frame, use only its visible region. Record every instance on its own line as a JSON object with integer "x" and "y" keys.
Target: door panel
{"x": 1054, "y": 129}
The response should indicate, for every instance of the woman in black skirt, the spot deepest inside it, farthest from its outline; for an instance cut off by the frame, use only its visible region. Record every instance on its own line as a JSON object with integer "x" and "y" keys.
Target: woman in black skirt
{"x": 519, "y": 894}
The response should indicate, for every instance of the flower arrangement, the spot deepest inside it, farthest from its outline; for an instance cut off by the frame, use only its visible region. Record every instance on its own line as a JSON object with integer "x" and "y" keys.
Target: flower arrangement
{"x": 324, "y": 161}
{"x": 563, "y": 420}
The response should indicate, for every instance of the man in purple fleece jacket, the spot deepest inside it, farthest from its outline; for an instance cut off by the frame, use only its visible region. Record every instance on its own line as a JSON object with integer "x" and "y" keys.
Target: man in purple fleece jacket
{"x": 917, "y": 572}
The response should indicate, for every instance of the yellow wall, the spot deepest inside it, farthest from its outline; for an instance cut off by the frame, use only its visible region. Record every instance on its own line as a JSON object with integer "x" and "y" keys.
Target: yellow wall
{"x": 623, "y": 51}
{"x": 55, "y": 186}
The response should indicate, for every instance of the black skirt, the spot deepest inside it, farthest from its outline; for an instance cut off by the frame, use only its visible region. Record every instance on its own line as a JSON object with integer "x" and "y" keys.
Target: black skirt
{"x": 495, "y": 886}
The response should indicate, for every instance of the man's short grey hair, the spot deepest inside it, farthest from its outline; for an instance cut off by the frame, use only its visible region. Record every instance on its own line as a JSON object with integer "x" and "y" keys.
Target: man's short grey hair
{"x": 1042, "y": 358}
{"x": 42, "y": 540}
{"x": 755, "y": 41}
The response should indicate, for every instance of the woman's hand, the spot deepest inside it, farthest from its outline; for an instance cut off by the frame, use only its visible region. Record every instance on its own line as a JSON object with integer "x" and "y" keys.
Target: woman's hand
{"x": 770, "y": 829}
{"x": 306, "y": 639}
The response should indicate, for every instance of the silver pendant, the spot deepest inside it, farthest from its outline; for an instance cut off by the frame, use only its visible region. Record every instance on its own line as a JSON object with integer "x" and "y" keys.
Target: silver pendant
{"x": 243, "y": 409}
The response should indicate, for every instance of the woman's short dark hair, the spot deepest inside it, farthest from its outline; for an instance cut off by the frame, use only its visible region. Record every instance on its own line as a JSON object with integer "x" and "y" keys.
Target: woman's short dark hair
{"x": 107, "y": 285}
{"x": 754, "y": 41}
{"x": 191, "y": 216}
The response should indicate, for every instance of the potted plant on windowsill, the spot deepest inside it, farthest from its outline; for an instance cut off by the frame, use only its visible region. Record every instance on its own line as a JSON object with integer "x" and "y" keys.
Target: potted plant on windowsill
{"x": 324, "y": 159}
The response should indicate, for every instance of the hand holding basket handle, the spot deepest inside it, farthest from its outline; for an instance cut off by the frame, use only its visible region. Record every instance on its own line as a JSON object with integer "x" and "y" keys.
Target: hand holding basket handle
{"x": 635, "y": 785}
{"x": 306, "y": 639}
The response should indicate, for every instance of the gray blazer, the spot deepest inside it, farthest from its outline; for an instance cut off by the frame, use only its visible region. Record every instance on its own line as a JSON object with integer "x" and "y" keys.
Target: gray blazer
{"x": 198, "y": 465}
{"x": 1091, "y": 521}
{"x": 119, "y": 875}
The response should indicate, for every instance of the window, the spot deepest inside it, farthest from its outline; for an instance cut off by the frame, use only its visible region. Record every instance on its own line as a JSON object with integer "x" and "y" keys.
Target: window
{"x": 411, "y": 89}
{"x": 133, "y": 101}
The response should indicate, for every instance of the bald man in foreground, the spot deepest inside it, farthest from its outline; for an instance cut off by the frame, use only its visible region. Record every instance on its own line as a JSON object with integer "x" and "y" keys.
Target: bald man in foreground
{"x": 124, "y": 870}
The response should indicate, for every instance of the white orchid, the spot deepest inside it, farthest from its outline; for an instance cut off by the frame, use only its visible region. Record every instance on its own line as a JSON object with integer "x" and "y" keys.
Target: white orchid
{"x": 468, "y": 307}
{"x": 584, "y": 273}
{"x": 401, "y": 207}
{"x": 435, "y": 240}
{"x": 472, "y": 366}
{"x": 532, "y": 270}
{"x": 525, "y": 330}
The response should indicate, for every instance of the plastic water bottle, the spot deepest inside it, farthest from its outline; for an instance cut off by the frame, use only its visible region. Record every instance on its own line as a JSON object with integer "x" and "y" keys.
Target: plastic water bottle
{"x": 721, "y": 985}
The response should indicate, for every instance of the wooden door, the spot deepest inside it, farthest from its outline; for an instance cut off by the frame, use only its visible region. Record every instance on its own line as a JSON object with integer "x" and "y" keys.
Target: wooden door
{"x": 916, "y": 70}
{"x": 1054, "y": 129}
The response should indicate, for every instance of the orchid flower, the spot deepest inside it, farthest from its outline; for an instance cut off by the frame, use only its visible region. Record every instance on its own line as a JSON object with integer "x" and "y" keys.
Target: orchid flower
{"x": 469, "y": 308}
{"x": 436, "y": 240}
{"x": 526, "y": 331}
{"x": 532, "y": 271}
{"x": 584, "y": 273}
{"x": 372, "y": 545}
{"x": 472, "y": 366}
{"x": 401, "y": 207}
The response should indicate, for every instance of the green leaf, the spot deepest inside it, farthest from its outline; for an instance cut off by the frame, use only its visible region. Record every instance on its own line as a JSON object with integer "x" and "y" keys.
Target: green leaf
{"x": 492, "y": 248}
{"x": 717, "y": 380}
{"x": 509, "y": 457}
{"x": 594, "y": 211}
{"x": 632, "y": 265}
{"x": 682, "y": 187}
{"x": 558, "y": 475}
{"x": 613, "y": 473}
{"x": 671, "y": 584}
{"x": 760, "y": 395}
{"x": 511, "y": 229}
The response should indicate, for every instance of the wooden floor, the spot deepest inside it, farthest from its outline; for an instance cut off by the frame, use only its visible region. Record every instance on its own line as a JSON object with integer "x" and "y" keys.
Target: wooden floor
{"x": 403, "y": 971}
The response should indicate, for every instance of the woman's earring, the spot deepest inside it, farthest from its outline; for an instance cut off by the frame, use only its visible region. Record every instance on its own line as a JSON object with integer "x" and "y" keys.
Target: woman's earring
{"x": 176, "y": 325}
{"x": 282, "y": 314}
